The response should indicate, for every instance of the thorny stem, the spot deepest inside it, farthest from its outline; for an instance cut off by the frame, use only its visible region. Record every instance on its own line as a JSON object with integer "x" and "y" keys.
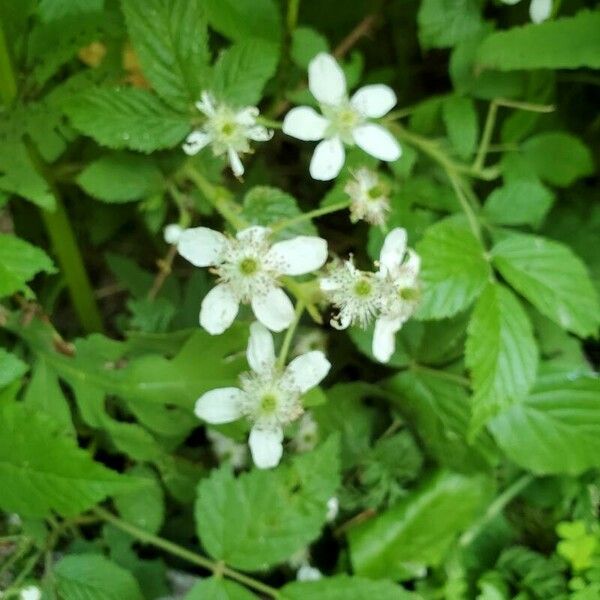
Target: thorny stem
{"x": 317, "y": 212}
{"x": 289, "y": 334}
{"x": 215, "y": 567}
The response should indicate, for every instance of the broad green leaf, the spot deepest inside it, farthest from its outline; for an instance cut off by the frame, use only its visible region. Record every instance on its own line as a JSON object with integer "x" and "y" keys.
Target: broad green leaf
{"x": 263, "y": 517}
{"x": 50, "y": 10}
{"x": 241, "y": 72}
{"x": 444, "y": 23}
{"x": 245, "y": 19}
{"x": 566, "y": 43}
{"x": 454, "y": 269}
{"x": 11, "y": 368}
{"x": 519, "y": 202}
{"x": 552, "y": 278}
{"x": 344, "y": 587}
{"x": 460, "y": 117}
{"x": 501, "y": 352}
{"x": 121, "y": 177}
{"x": 558, "y": 157}
{"x": 420, "y": 529}
{"x": 556, "y": 429}
{"x": 94, "y": 577}
{"x": 42, "y": 470}
{"x": 126, "y": 118}
{"x": 19, "y": 263}
{"x": 218, "y": 589}
{"x": 171, "y": 40}
{"x": 306, "y": 44}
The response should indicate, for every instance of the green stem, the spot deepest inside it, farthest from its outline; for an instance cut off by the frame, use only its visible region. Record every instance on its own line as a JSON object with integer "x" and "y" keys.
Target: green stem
{"x": 486, "y": 137}
{"x": 289, "y": 334}
{"x": 292, "y": 15}
{"x": 8, "y": 83}
{"x": 313, "y": 214}
{"x": 183, "y": 553}
{"x": 528, "y": 106}
{"x": 464, "y": 203}
{"x": 269, "y": 122}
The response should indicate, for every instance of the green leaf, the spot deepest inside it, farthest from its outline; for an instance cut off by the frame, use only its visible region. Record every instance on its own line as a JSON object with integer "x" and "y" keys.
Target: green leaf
{"x": 519, "y": 202}
{"x": 19, "y": 263}
{"x": 126, "y": 118}
{"x": 245, "y": 19}
{"x": 343, "y": 587}
{"x": 552, "y": 278}
{"x": 558, "y": 157}
{"x": 460, "y": 117}
{"x": 171, "y": 40}
{"x": 267, "y": 205}
{"x": 306, "y": 44}
{"x": 418, "y": 531}
{"x": 218, "y": 589}
{"x": 444, "y": 23}
{"x": 50, "y": 10}
{"x": 11, "y": 368}
{"x": 121, "y": 177}
{"x": 454, "y": 269}
{"x": 263, "y": 517}
{"x": 556, "y": 429}
{"x": 242, "y": 71}
{"x": 501, "y": 352}
{"x": 41, "y": 470}
{"x": 94, "y": 577}
{"x": 566, "y": 43}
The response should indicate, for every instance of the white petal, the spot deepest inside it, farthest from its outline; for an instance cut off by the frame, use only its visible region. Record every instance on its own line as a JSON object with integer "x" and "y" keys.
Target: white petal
{"x": 305, "y": 123}
{"x": 234, "y": 160}
{"x": 253, "y": 232}
{"x": 206, "y": 104}
{"x": 299, "y": 255}
{"x": 327, "y": 160}
{"x": 540, "y": 10}
{"x": 172, "y": 233}
{"x": 247, "y": 116}
{"x": 220, "y": 406}
{"x": 384, "y": 338}
{"x": 326, "y": 80}
{"x": 266, "y": 447}
{"x": 377, "y": 141}
{"x": 329, "y": 284}
{"x": 258, "y": 133}
{"x": 196, "y": 141}
{"x": 274, "y": 309}
{"x": 374, "y": 100}
{"x": 341, "y": 321}
{"x": 202, "y": 246}
{"x": 308, "y": 370}
{"x": 219, "y": 308}
{"x": 392, "y": 252}
{"x": 260, "y": 352}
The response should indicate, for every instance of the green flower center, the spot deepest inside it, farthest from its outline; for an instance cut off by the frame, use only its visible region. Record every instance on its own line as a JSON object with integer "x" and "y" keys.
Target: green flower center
{"x": 376, "y": 192}
{"x": 268, "y": 403}
{"x": 248, "y": 266}
{"x": 227, "y": 129}
{"x": 363, "y": 288}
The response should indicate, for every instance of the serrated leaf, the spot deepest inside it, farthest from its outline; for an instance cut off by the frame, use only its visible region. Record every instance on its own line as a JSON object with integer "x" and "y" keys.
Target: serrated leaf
{"x": 218, "y": 589}
{"x": 454, "y": 269}
{"x": 11, "y": 368}
{"x": 556, "y": 429}
{"x": 126, "y": 118}
{"x": 460, "y": 118}
{"x": 501, "y": 352}
{"x": 566, "y": 43}
{"x": 171, "y": 40}
{"x": 121, "y": 177}
{"x": 245, "y": 19}
{"x": 417, "y": 532}
{"x": 344, "y": 587}
{"x": 444, "y": 23}
{"x": 552, "y": 278}
{"x": 242, "y": 71}
{"x": 94, "y": 577}
{"x": 41, "y": 470}
{"x": 261, "y": 518}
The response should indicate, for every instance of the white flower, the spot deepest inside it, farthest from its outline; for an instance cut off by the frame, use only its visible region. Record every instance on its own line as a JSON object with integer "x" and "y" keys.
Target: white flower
{"x": 30, "y": 592}
{"x": 172, "y": 233}
{"x": 268, "y": 397}
{"x": 389, "y": 296}
{"x": 307, "y": 436}
{"x": 369, "y": 197}
{"x": 227, "y": 130}
{"x": 539, "y": 10}
{"x": 344, "y": 121}
{"x": 308, "y": 573}
{"x": 333, "y": 508}
{"x": 248, "y": 267}
{"x": 228, "y": 450}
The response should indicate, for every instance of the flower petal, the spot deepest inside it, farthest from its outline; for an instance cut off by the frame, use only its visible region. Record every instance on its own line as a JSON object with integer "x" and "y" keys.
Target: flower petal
{"x": 540, "y": 10}
{"x": 219, "y": 308}
{"x": 305, "y": 123}
{"x": 377, "y": 141}
{"x": 258, "y": 133}
{"x": 260, "y": 352}
{"x": 308, "y": 370}
{"x": 384, "y": 338}
{"x": 299, "y": 255}
{"x": 234, "y": 161}
{"x": 222, "y": 405}
{"x": 253, "y": 232}
{"x": 247, "y": 116}
{"x": 392, "y": 252}
{"x": 202, "y": 246}
{"x": 274, "y": 309}
{"x": 374, "y": 100}
{"x": 206, "y": 104}
{"x": 266, "y": 447}
{"x": 172, "y": 232}
{"x": 327, "y": 160}
{"x": 326, "y": 80}
{"x": 195, "y": 141}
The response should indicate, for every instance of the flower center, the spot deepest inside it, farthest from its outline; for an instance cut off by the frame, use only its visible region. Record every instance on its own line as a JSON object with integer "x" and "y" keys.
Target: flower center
{"x": 227, "y": 129}
{"x": 363, "y": 288}
{"x": 248, "y": 266}
{"x": 408, "y": 294}
{"x": 375, "y": 193}
{"x": 268, "y": 403}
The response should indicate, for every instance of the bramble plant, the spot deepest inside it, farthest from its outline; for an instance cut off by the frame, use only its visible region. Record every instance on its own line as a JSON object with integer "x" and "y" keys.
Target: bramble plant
{"x": 299, "y": 300}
